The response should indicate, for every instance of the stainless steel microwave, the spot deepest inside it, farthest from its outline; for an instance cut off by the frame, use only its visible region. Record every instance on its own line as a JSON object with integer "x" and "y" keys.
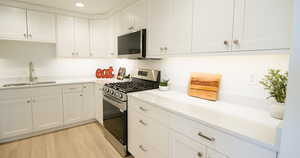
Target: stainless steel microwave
{"x": 132, "y": 45}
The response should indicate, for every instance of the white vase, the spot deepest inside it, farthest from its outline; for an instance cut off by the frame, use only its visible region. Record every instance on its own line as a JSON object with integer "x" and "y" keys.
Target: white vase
{"x": 164, "y": 88}
{"x": 277, "y": 110}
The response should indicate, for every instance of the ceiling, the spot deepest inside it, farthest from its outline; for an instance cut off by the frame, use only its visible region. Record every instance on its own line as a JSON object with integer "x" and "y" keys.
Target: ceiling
{"x": 91, "y": 6}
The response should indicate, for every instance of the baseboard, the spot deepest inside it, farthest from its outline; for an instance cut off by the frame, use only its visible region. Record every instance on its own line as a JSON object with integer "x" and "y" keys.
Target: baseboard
{"x": 38, "y": 133}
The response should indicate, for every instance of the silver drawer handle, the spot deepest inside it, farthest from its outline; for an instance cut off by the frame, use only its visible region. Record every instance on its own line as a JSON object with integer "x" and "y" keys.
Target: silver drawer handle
{"x": 206, "y": 137}
{"x": 143, "y": 123}
{"x": 143, "y": 109}
{"x": 142, "y": 148}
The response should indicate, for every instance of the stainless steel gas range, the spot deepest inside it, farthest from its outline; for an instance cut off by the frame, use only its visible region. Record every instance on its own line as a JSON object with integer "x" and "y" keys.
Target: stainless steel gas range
{"x": 115, "y": 102}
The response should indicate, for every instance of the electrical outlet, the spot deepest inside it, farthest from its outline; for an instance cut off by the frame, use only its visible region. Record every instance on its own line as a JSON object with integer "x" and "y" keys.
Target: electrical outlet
{"x": 253, "y": 80}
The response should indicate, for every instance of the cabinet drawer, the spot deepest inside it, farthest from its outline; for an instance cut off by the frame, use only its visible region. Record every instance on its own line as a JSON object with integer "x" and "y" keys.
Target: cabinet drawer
{"x": 46, "y": 91}
{"x": 149, "y": 129}
{"x": 148, "y": 110}
{"x": 72, "y": 88}
{"x": 16, "y": 93}
{"x": 217, "y": 140}
{"x": 214, "y": 154}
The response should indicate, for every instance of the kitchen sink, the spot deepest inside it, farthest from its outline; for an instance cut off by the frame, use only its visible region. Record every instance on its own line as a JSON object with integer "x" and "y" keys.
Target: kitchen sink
{"x": 28, "y": 84}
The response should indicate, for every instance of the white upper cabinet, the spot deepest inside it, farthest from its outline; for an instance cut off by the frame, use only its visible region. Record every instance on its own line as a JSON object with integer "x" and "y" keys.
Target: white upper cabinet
{"x": 180, "y": 28}
{"x": 262, "y": 24}
{"x": 82, "y": 37}
{"x": 159, "y": 13}
{"x": 19, "y": 24}
{"x": 133, "y": 18}
{"x": 212, "y": 25}
{"x": 170, "y": 27}
{"x": 73, "y": 37}
{"x": 65, "y": 36}
{"x": 100, "y": 38}
{"x": 41, "y": 27}
{"x": 12, "y": 23}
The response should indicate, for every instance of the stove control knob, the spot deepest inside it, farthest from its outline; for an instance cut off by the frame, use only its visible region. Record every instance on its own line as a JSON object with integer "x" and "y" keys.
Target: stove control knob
{"x": 111, "y": 92}
{"x": 118, "y": 95}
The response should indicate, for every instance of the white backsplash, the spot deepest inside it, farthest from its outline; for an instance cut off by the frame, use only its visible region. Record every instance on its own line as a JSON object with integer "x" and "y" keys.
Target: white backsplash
{"x": 240, "y": 73}
{"x": 15, "y": 57}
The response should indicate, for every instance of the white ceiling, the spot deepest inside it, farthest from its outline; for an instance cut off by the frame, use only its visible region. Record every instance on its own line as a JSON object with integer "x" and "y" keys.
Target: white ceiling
{"x": 91, "y": 6}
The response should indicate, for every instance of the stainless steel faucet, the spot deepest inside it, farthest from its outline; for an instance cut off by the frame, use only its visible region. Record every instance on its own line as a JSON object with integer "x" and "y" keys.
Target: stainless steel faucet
{"x": 32, "y": 78}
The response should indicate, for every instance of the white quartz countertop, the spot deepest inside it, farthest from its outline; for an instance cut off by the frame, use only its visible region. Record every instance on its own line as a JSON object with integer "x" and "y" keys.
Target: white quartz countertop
{"x": 253, "y": 125}
{"x": 101, "y": 82}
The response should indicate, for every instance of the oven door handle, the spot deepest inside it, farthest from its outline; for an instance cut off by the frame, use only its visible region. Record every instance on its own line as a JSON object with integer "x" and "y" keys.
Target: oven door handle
{"x": 121, "y": 105}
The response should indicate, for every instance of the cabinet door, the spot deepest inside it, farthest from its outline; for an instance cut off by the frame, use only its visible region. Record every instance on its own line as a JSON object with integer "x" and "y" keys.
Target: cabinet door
{"x": 99, "y": 38}
{"x": 88, "y": 102}
{"x": 138, "y": 12}
{"x": 13, "y": 23}
{"x": 125, "y": 22}
{"x": 65, "y": 36}
{"x": 212, "y": 25}
{"x": 214, "y": 154}
{"x": 184, "y": 147}
{"x": 112, "y": 36}
{"x": 41, "y": 26}
{"x": 263, "y": 24}
{"x": 180, "y": 29}
{"x": 15, "y": 117}
{"x": 47, "y": 112}
{"x": 99, "y": 104}
{"x": 82, "y": 37}
{"x": 159, "y": 19}
{"x": 73, "y": 107}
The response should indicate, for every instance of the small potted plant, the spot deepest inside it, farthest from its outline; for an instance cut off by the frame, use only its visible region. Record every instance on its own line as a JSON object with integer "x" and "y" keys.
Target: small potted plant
{"x": 276, "y": 83}
{"x": 164, "y": 85}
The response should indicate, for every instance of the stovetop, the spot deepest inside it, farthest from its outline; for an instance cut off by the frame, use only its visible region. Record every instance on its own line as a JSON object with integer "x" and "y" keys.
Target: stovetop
{"x": 131, "y": 86}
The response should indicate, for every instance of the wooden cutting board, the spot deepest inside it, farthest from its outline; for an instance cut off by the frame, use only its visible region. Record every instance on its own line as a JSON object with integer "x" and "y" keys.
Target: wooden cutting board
{"x": 204, "y": 85}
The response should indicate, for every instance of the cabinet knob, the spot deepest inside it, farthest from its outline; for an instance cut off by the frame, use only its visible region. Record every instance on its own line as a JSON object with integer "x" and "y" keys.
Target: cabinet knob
{"x": 143, "y": 123}
{"x": 25, "y": 35}
{"x": 143, "y": 109}
{"x": 30, "y": 35}
{"x": 161, "y": 48}
{"x": 142, "y": 148}
{"x": 81, "y": 95}
{"x": 226, "y": 43}
{"x": 166, "y": 48}
{"x": 28, "y": 101}
{"x": 237, "y": 42}
{"x": 200, "y": 154}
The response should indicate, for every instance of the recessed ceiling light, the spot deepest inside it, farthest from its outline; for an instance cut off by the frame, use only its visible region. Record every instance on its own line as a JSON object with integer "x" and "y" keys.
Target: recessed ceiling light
{"x": 79, "y": 4}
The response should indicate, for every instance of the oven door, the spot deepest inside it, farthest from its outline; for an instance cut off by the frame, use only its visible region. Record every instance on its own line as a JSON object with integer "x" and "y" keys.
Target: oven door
{"x": 115, "y": 119}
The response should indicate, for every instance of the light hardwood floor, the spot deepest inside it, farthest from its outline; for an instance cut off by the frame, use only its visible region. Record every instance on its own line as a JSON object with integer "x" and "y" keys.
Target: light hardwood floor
{"x": 85, "y": 141}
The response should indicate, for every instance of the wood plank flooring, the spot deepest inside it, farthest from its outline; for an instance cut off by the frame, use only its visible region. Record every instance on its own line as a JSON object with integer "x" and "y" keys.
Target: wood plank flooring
{"x": 85, "y": 141}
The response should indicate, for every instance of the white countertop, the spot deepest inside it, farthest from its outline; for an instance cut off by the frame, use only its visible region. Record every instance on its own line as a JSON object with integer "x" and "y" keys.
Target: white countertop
{"x": 62, "y": 82}
{"x": 253, "y": 125}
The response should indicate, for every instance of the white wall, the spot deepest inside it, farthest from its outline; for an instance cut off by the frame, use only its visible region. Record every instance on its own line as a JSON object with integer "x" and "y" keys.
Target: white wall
{"x": 15, "y": 56}
{"x": 291, "y": 129}
{"x": 240, "y": 73}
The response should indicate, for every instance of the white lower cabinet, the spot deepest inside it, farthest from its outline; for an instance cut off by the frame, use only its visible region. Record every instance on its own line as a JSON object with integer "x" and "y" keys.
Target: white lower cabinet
{"x": 15, "y": 117}
{"x": 99, "y": 104}
{"x": 73, "y": 107}
{"x": 182, "y": 146}
{"x": 47, "y": 111}
{"x": 28, "y": 110}
{"x": 88, "y": 101}
{"x": 159, "y": 133}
